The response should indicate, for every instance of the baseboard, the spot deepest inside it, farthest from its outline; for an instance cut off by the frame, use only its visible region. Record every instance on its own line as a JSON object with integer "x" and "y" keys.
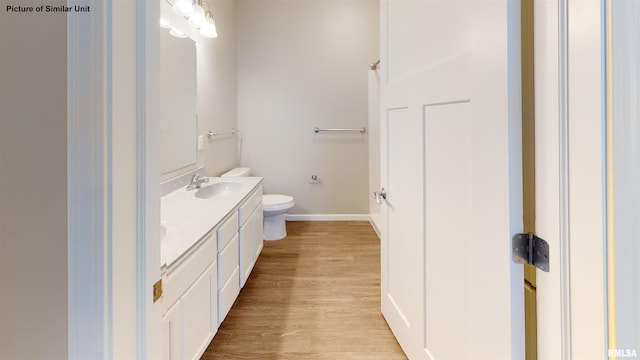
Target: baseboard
{"x": 327, "y": 217}
{"x": 376, "y": 223}
{"x": 375, "y": 227}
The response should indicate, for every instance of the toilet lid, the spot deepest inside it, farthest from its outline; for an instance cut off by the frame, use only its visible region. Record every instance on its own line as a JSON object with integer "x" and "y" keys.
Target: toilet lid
{"x": 276, "y": 202}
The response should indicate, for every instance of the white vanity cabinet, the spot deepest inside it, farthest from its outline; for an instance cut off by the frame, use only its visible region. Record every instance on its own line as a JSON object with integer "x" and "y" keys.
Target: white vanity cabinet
{"x": 190, "y": 303}
{"x": 250, "y": 233}
{"x": 203, "y": 274}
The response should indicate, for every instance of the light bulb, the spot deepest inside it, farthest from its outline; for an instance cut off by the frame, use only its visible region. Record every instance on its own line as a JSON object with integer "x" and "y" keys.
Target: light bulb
{"x": 165, "y": 24}
{"x": 177, "y": 33}
{"x": 209, "y": 27}
{"x": 196, "y": 18}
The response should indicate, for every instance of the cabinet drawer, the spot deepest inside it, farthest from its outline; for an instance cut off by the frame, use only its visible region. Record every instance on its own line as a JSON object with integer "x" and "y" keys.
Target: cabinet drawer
{"x": 227, "y": 295}
{"x": 227, "y": 230}
{"x": 249, "y": 205}
{"x": 180, "y": 279}
{"x": 228, "y": 261}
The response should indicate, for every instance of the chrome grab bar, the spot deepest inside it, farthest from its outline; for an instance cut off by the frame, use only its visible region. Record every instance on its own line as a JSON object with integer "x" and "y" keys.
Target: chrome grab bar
{"x": 362, "y": 130}
{"x": 211, "y": 134}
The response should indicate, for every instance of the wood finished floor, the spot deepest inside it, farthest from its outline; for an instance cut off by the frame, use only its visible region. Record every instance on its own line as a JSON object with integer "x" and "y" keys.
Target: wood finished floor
{"x": 313, "y": 295}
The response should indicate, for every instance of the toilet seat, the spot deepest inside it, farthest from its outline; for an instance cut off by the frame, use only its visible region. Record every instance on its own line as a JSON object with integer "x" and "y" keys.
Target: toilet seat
{"x": 275, "y": 202}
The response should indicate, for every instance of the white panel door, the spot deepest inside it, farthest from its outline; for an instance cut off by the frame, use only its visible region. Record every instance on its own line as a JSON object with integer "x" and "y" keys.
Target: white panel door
{"x": 451, "y": 168}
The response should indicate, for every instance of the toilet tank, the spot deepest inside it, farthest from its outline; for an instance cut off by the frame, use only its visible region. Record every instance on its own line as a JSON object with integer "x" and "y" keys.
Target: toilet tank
{"x": 237, "y": 172}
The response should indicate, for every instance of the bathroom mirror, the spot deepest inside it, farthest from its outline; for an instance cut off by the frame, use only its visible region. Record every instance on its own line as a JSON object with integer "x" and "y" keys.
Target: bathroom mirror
{"x": 178, "y": 104}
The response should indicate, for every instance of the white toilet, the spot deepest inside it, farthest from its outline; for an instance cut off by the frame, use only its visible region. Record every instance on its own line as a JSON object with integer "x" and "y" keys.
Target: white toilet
{"x": 274, "y": 208}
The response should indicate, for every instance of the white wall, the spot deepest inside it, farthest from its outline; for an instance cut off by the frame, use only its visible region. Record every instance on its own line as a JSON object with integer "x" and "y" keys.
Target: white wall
{"x": 217, "y": 103}
{"x": 216, "y": 91}
{"x": 33, "y": 186}
{"x": 301, "y": 64}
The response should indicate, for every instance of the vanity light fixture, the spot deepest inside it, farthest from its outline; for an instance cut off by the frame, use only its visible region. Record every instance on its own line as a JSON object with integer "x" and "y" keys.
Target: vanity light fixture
{"x": 182, "y": 7}
{"x": 196, "y": 15}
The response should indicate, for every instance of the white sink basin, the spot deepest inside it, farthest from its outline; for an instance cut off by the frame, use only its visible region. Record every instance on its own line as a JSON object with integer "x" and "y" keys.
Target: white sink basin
{"x": 221, "y": 188}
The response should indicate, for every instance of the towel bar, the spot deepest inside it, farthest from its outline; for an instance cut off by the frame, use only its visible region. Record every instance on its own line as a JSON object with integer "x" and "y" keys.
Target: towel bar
{"x": 361, "y": 130}
{"x": 211, "y": 134}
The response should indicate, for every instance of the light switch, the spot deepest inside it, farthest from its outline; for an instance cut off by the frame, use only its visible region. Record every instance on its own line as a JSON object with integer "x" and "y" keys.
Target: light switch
{"x": 200, "y": 142}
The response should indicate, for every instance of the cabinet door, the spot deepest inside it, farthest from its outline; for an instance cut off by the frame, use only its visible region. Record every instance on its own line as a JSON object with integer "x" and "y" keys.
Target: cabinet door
{"x": 228, "y": 278}
{"x": 171, "y": 333}
{"x": 199, "y": 314}
{"x": 247, "y": 241}
{"x": 259, "y": 232}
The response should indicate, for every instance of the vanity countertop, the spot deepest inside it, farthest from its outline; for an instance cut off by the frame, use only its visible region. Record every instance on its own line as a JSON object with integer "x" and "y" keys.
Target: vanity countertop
{"x": 186, "y": 218}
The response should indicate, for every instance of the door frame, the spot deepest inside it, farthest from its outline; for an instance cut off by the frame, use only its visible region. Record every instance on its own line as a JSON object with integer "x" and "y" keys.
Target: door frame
{"x": 528, "y": 169}
{"x": 570, "y": 177}
{"x": 113, "y": 189}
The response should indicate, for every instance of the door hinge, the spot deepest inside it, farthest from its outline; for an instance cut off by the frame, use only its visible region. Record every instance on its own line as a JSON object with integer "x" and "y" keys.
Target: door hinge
{"x": 530, "y": 249}
{"x": 157, "y": 290}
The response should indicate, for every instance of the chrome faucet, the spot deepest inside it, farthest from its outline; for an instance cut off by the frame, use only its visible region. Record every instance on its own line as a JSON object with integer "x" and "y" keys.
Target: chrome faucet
{"x": 196, "y": 182}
